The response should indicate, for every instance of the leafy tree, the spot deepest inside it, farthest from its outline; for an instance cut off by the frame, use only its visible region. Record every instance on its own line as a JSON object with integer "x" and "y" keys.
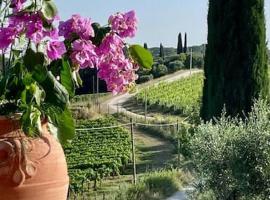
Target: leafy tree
{"x": 179, "y": 45}
{"x": 145, "y": 78}
{"x": 185, "y": 44}
{"x": 182, "y": 57}
{"x": 232, "y": 156}
{"x": 161, "y": 51}
{"x": 197, "y": 60}
{"x": 175, "y": 66}
{"x": 236, "y": 69}
{"x": 145, "y": 45}
{"x": 159, "y": 70}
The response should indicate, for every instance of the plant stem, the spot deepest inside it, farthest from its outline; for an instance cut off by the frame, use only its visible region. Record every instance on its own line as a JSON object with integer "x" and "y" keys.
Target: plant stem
{"x": 35, "y": 5}
{"x": 10, "y": 57}
{"x": 3, "y": 64}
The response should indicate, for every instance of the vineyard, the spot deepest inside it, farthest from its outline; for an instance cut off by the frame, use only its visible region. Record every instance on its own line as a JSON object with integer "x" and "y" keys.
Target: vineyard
{"x": 183, "y": 96}
{"x": 96, "y": 153}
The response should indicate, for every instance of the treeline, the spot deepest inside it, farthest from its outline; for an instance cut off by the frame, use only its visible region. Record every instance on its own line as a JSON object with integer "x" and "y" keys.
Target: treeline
{"x": 169, "y": 60}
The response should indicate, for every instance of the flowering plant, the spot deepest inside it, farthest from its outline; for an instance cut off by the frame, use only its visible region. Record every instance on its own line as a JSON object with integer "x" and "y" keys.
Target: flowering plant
{"x": 41, "y": 58}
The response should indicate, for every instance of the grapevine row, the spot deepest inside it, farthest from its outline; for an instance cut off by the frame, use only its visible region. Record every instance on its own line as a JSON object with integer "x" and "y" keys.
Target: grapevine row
{"x": 182, "y": 96}
{"x": 95, "y": 154}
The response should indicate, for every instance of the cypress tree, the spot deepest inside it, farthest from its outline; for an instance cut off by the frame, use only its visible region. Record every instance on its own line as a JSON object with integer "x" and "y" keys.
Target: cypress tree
{"x": 179, "y": 44}
{"x": 185, "y": 44}
{"x": 236, "y": 69}
{"x": 145, "y": 45}
{"x": 161, "y": 51}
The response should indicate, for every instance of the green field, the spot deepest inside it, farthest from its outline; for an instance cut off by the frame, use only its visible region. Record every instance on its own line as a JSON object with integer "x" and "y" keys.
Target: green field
{"x": 182, "y": 96}
{"x": 97, "y": 153}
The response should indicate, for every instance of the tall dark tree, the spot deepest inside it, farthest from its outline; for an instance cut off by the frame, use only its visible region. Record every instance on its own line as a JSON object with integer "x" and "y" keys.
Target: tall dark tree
{"x": 236, "y": 69}
{"x": 161, "y": 51}
{"x": 145, "y": 45}
{"x": 179, "y": 44}
{"x": 185, "y": 44}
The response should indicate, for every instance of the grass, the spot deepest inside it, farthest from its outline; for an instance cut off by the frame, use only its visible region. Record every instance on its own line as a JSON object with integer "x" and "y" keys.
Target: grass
{"x": 152, "y": 154}
{"x": 156, "y": 185}
{"x": 88, "y": 106}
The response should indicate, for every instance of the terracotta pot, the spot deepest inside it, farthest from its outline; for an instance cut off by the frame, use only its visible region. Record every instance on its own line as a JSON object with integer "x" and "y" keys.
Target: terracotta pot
{"x": 31, "y": 168}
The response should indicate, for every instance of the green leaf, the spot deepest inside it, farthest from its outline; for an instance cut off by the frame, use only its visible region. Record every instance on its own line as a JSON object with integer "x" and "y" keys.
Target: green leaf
{"x": 66, "y": 78}
{"x": 38, "y": 95}
{"x": 32, "y": 91}
{"x": 31, "y": 123}
{"x": 142, "y": 56}
{"x": 55, "y": 67}
{"x": 32, "y": 59}
{"x": 77, "y": 78}
{"x": 49, "y": 10}
{"x": 56, "y": 94}
{"x": 100, "y": 33}
{"x": 16, "y": 53}
{"x": 3, "y": 85}
{"x": 39, "y": 73}
{"x": 61, "y": 123}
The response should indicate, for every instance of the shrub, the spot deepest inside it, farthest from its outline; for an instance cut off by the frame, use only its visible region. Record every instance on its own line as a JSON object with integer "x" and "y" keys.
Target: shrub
{"x": 197, "y": 60}
{"x": 159, "y": 60}
{"x": 143, "y": 71}
{"x": 171, "y": 58}
{"x": 163, "y": 183}
{"x": 175, "y": 66}
{"x": 159, "y": 70}
{"x": 145, "y": 78}
{"x": 182, "y": 57}
{"x": 232, "y": 156}
{"x": 154, "y": 186}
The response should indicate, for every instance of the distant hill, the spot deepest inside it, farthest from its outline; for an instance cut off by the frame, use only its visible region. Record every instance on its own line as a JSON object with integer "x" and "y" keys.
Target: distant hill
{"x": 170, "y": 51}
{"x": 198, "y": 49}
{"x": 167, "y": 51}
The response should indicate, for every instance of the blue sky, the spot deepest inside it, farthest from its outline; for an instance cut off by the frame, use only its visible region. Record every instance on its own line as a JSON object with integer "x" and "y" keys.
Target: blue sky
{"x": 159, "y": 20}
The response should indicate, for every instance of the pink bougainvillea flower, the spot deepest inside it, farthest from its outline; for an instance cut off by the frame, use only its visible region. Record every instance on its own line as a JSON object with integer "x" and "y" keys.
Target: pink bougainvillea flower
{"x": 111, "y": 44}
{"x": 115, "y": 68}
{"x": 84, "y": 54}
{"x": 17, "y": 5}
{"x": 35, "y": 28}
{"x": 118, "y": 72}
{"x": 7, "y": 37}
{"x": 113, "y": 65}
{"x": 18, "y": 21}
{"x": 52, "y": 34}
{"x": 55, "y": 49}
{"x": 82, "y": 27}
{"x": 125, "y": 24}
{"x": 55, "y": 18}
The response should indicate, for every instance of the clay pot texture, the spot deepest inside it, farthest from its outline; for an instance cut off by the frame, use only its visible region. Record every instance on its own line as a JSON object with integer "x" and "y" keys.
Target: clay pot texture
{"x": 31, "y": 168}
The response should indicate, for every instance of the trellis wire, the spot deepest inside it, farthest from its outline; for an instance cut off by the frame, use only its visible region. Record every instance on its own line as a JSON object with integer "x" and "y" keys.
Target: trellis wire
{"x": 128, "y": 124}
{"x": 131, "y": 124}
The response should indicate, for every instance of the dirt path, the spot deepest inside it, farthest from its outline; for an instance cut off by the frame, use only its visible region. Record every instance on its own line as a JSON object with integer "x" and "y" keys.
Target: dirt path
{"x": 115, "y": 104}
{"x": 152, "y": 152}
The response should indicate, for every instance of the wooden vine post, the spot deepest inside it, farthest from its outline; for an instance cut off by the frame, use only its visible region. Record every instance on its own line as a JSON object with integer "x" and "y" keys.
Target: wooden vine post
{"x": 145, "y": 105}
{"x": 133, "y": 151}
{"x": 178, "y": 144}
